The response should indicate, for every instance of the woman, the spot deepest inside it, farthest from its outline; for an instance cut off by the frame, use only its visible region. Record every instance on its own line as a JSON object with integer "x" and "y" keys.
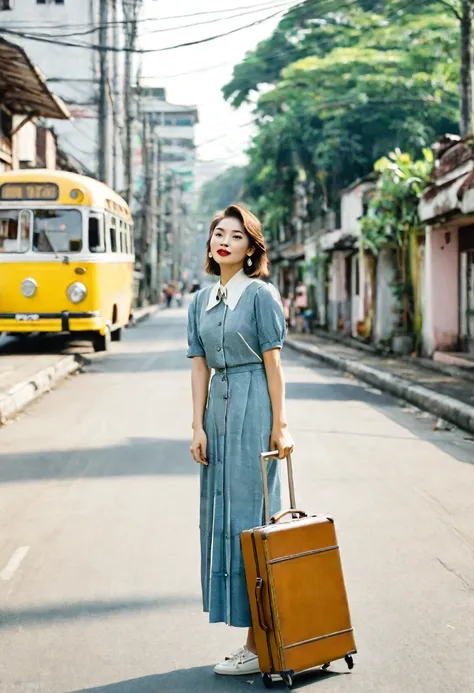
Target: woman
{"x": 237, "y": 328}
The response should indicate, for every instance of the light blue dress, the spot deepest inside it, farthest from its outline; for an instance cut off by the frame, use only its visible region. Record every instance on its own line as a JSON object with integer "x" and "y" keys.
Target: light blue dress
{"x": 238, "y": 423}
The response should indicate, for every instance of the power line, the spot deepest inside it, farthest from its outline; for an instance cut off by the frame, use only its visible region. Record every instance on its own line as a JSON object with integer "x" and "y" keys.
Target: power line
{"x": 141, "y": 51}
{"x": 88, "y": 25}
{"x": 285, "y": 4}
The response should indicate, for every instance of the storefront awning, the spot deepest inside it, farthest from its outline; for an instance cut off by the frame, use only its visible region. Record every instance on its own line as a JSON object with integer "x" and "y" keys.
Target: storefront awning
{"x": 338, "y": 240}
{"x": 23, "y": 88}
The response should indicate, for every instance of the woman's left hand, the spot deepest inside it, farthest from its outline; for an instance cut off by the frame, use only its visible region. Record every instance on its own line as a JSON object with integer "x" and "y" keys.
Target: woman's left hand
{"x": 282, "y": 441}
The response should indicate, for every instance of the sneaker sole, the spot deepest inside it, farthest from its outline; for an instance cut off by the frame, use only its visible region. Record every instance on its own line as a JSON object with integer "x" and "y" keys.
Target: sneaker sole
{"x": 251, "y": 672}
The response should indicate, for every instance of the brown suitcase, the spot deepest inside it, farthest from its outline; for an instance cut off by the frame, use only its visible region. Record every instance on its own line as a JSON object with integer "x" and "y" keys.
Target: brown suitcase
{"x": 296, "y": 589}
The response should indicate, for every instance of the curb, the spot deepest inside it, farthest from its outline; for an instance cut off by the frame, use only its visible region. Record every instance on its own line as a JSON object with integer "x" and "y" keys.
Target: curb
{"x": 142, "y": 314}
{"x": 27, "y": 391}
{"x": 454, "y": 411}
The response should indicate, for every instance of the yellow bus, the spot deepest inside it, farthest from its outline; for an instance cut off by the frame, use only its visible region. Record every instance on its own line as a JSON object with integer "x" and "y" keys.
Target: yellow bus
{"x": 66, "y": 256}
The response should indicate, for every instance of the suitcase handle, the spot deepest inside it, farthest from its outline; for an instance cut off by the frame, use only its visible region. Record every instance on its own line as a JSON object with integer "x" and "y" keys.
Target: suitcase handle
{"x": 264, "y": 457}
{"x": 276, "y": 518}
{"x": 261, "y": 614}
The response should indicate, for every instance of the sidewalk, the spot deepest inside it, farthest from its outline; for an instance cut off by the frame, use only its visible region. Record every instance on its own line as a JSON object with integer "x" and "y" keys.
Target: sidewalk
{"x": 26, "y": 376}
{"x": 437, "y": 389}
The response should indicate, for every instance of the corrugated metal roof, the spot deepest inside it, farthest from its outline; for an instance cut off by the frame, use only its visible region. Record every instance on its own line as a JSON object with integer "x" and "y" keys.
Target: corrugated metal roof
{"x": 23, "y": 89}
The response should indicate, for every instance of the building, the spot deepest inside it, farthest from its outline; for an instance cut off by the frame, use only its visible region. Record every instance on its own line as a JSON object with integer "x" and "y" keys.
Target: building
{"x": 25, "y": 142}
{"x": 172, "y": 127}
{"x": 73, "y": 71}
{"x": 447, "y": 209}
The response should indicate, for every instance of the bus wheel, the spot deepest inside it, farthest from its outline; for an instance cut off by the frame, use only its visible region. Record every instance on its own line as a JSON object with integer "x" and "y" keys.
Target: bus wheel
{"x": 101, "y": 342}
{"x": 117, "y": 335}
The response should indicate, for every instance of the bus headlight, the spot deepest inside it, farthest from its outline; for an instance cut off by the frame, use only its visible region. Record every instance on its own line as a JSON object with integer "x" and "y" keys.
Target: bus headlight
{"x": 76, "y": 292}
{"x": 28, "y": 287}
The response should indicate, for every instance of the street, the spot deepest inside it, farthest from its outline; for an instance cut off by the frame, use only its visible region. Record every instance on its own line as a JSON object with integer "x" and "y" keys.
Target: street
{"x": 99, "y": 553}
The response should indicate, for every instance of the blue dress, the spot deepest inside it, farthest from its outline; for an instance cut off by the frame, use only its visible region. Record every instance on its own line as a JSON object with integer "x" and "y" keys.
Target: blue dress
{"x": 238, "y": 423}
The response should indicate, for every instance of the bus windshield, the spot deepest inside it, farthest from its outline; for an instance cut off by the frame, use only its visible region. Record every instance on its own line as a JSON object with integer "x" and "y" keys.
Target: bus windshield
{"x": 14, "y": 231}
{"x": 57, "y": 231}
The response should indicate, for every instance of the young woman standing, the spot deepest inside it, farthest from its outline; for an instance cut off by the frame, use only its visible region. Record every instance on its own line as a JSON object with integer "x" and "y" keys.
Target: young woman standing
{"x": 237, "y": 328}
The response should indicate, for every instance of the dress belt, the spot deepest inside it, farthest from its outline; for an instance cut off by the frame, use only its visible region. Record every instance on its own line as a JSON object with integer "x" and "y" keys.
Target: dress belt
{"x": 230, "y": 370}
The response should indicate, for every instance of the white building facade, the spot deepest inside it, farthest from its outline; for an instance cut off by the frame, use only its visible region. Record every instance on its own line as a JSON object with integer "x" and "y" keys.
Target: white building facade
{"x": 73, "y": 71}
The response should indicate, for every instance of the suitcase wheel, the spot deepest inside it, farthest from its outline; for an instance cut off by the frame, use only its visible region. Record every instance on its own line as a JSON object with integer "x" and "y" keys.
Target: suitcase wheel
{"x": 349, "y": 661}
{"x": 267, "y": 680}
{"x": 287, "y": 677}
{"x": 326, "y": 666}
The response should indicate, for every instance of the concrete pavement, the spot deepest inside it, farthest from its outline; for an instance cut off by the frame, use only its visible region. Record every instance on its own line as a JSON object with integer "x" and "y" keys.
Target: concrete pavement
{"x": 33, "y": 366}
{"x": 438, "y": 389}
{"x": 99, "y": 556}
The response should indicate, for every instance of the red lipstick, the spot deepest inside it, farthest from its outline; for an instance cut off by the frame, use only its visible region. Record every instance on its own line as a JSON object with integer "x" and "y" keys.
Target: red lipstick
{"x": 223, "y": 253}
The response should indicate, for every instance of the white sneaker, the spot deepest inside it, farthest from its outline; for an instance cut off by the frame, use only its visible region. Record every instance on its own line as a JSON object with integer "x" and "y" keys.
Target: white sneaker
{"x": 238, "y": 663}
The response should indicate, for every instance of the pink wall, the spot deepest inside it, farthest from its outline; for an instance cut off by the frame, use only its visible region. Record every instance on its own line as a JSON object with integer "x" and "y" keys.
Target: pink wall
{"x": 445, "y": 289}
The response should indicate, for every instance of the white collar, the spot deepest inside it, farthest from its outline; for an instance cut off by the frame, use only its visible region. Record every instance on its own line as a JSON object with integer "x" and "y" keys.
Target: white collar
{"x": 231, "y": 292}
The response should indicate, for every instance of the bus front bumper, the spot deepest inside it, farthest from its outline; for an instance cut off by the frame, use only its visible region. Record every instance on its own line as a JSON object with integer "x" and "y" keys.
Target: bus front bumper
{"x": 66, "y": 321}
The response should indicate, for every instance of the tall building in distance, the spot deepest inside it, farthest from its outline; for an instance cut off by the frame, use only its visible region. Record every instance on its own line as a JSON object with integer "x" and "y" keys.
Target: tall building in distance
{"x": 73, "y": 71}
{"x": 173, "y": 127}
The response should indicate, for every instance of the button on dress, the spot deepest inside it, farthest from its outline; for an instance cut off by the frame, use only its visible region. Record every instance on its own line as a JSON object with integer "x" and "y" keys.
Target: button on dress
{"x": 238, "y": 423}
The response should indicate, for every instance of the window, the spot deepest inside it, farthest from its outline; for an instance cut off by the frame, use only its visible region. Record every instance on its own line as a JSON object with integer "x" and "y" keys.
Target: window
{"x": 96, "y": 235}
{"x": 15, "y": 231}
{"x": 6, "y": 4}
{"x": 41, "y": 2}
{"x": 57, "y": 231}
{"x": 113, "y": 234}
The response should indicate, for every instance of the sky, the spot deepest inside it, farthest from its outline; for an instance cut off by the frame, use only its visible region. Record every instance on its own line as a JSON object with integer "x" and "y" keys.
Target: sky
{"x": 195, "y": 75}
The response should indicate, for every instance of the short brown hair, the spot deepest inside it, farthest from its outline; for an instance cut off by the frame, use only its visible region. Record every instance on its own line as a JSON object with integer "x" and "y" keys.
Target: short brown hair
{"x": 253, "y": 229}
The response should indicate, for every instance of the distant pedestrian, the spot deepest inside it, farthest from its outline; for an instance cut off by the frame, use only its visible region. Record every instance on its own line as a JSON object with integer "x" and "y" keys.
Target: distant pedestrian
{"x": 236, "y": 327}
{"x": 301, "y": 304}
{"x": 169, "y": 292}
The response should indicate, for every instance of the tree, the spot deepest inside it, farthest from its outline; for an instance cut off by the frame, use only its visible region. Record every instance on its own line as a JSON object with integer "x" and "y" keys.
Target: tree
{"x": 376, "y": 78}
{"x": 221, "y": 191}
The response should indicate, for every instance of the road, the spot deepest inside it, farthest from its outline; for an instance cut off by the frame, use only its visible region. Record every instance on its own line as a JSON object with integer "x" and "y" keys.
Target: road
{"x": 99, "y": 582}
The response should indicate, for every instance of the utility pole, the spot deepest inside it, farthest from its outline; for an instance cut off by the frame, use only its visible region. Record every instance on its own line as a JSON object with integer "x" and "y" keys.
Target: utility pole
{"x": 155, "y": 273}
{"x": 131, "y": 11}
{"x": 104, "y": 125}
{"x": 466, "y": 68}
{"x": 145, "y": 215}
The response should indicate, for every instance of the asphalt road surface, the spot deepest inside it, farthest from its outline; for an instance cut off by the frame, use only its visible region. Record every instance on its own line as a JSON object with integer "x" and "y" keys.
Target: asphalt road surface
{"x": 99, "y": 554}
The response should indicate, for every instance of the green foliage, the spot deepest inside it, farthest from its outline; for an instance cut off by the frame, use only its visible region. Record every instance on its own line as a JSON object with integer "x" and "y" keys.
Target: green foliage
{"x": 392, "y": 217}
{"x": 221, "y": 191}
{"x": 393, "y": 209}
{"x": 345, "y": 83}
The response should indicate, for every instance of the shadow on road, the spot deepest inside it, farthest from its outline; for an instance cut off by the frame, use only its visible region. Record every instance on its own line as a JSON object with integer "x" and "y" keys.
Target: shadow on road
{"x": 17, "y": 618}
{"x": 202, "y": 680}
{"x": 137, "y": 457}
{"x": 333, "y": 392}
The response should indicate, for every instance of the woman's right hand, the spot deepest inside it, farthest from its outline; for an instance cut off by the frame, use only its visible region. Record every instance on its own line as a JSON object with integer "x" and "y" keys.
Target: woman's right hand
{"x": 199, "y": 447}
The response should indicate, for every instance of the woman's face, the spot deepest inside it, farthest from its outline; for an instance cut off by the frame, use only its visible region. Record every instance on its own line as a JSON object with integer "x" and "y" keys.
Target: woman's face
{"x": 230, "y": 243}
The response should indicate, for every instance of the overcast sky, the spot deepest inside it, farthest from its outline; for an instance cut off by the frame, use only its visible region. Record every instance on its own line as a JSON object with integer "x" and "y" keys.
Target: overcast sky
{"x": 196, "y": 74}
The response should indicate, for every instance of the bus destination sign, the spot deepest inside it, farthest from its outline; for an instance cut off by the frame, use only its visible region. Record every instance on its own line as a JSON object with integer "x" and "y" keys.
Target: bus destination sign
{"x": 29, "y": 191}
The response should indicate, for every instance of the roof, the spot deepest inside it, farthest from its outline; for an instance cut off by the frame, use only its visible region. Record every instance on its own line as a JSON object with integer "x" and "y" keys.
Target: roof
{"x": 23, "y": 88}
{"x": 96, "y": 192}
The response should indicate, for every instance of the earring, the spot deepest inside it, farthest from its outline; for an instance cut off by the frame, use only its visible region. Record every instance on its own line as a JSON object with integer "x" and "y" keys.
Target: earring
{"x": 210, "y": 255}
{"x": 249, "y": 262}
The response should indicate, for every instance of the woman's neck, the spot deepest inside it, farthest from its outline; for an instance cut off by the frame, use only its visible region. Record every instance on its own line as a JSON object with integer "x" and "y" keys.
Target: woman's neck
{"x": 227, "y": 273}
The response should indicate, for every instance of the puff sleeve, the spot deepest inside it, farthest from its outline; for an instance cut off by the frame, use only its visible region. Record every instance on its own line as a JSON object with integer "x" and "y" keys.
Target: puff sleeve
{"x": 195, "y": 346}
{"x": 271, "y": 324}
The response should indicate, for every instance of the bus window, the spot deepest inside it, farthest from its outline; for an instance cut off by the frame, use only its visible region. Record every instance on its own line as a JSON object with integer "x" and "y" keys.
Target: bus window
{"x": 11, "y": 240}
{"x": 113, "y": 234}
{"x": 96, "y": 235}
{"x": 57, "y": 231}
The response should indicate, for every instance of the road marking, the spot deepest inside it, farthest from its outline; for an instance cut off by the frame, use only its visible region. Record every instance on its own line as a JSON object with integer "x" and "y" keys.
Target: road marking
{"x": 14, "y": 563}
